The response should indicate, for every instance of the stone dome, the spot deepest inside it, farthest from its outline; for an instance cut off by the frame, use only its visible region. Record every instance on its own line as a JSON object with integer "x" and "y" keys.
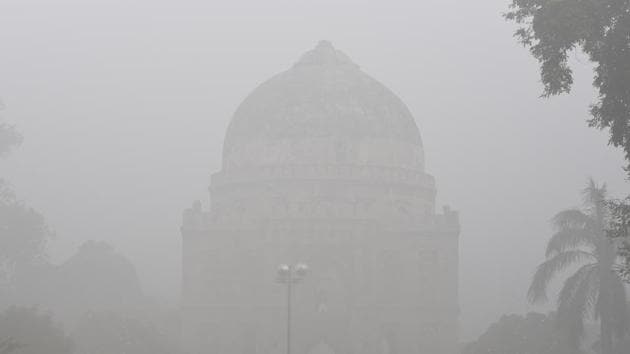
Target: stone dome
{"x": 323, "y": 111}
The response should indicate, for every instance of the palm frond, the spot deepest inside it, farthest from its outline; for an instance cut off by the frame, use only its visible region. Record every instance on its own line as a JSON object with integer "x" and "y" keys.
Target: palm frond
{"x": 580, "y": 238}
{"x": 580, "y": 301}
{"x": 550, "y": 268}
{"x": 573, "y": 284}
{"x": 593, "y": 196}
{"x": 569, "y": 238}
{"x": 571, "y": 219}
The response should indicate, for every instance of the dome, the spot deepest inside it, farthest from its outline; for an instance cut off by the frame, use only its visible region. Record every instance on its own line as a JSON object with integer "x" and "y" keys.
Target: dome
{"x": 322, "y": 111}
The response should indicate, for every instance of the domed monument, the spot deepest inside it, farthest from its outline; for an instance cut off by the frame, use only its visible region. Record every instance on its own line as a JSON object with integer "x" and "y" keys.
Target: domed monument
{"x": 322, "y": 165}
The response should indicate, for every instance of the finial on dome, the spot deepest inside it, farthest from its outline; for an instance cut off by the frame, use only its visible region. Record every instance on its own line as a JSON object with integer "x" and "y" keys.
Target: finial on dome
{"x": 324, "y": 54}
{"x": 325, "y": 44}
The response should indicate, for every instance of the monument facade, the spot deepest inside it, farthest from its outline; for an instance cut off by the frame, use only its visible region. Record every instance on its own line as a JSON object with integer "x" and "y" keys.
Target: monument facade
{"x": 322, "y": 165}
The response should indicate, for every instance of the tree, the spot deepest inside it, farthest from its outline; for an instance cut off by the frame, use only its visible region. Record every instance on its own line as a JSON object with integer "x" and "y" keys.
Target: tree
{"x": 534, "y": 333}
{"x": 23, "y": 231}
{"x": 619, "y": 229}
{"x": 23, "y": 234}
{"x": 594, "y": 289}
{"x": 32, "y": 332}
{"x": 551, "y": 29}
{"x": 9, "y": 137}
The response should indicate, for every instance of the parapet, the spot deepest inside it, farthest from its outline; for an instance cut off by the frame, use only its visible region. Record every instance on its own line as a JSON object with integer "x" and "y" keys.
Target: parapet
{"x": 193, "y": 217}
{"x": 448, "y": 220}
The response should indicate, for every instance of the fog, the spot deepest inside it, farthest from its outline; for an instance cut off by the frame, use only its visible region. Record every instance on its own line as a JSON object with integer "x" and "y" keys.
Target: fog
{"x": 124, "y": 108}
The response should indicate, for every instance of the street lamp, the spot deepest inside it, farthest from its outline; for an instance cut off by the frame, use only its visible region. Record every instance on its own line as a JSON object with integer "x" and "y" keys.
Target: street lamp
{"x": 289, "y": 275}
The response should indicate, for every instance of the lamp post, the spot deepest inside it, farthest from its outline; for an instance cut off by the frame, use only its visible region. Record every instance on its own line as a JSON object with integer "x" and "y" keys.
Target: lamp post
{"x": 290, "y": 275}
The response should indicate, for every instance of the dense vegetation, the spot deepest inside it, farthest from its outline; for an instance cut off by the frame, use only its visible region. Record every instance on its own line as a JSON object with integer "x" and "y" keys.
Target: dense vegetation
{"x": 594, "y": 289}
{"x": 515, "y": 334}
{"x": 551, "y": 30}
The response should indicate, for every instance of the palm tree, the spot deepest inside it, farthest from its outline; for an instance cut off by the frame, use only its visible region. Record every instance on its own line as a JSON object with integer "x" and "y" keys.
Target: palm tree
{"x": 595, "y": 289}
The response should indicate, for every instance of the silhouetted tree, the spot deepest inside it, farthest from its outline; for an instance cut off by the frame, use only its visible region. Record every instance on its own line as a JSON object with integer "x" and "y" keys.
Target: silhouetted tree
{"x": 534, "y": 333}
{"x": 32, "y": 332}
{"x": 619, "y": 229}
{"x": 551, "y": 29}
{"x": 601, "y": 29}
{"x": 594, "y": 289}
{"x": 111, "y": 333}
{"x": 9, "y": 137}
{"x": 23, "y": 231}
{"x": 23, "y": 234}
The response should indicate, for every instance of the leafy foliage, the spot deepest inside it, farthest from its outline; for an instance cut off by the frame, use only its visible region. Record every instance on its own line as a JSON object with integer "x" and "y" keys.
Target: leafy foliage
{"x": 551, "y": 29}
{"x": 23, "y": 234}
{"x": 23, "y": 231}
{"x": 594, "y": 290}
{"x": 9, "y": 138}
{"x": 534, "y": 333}
{"x": 619, "y": 230}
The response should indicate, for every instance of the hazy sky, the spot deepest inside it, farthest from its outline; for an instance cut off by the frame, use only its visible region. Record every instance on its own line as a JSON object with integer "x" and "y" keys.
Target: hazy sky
{"x": 123, "y": 105}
